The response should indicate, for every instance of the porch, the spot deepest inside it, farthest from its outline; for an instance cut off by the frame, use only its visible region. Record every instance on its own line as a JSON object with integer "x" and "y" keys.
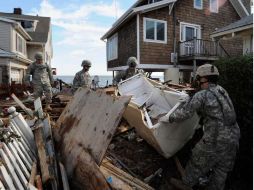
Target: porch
{"x": 198, "y": 49}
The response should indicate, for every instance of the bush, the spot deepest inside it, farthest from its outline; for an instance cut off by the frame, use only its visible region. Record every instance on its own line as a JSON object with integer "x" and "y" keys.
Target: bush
{"x": 236, "y": 76}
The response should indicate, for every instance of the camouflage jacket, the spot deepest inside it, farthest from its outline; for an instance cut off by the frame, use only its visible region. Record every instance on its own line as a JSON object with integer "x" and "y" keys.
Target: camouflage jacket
{"x": 82, "y": 79}
{"x": 216, "y": 109}
{"x": 41, "y": 73}
{"x": 123, "y": 75}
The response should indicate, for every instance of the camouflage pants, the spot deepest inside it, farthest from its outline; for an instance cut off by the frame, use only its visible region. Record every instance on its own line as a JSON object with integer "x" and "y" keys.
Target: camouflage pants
{"x": 205, "y": 157}
{"x": 40, "y": 88}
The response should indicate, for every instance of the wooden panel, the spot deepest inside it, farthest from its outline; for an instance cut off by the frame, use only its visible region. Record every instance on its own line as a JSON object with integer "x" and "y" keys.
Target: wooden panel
{"x": 88, "y": 123}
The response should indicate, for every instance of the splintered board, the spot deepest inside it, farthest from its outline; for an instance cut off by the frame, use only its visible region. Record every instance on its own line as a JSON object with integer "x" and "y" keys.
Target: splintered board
{"x": 88, "y": 123}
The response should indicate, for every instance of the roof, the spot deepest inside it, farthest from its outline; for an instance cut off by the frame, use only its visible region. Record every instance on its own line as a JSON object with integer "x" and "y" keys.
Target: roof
{"x": 4, "y": 53}
{"x": 135, "y": 9}
{"x": 42, "y": 29}
{"x": 243, "y": 24}
{"x": 240, "y": 8}
{"x": 17, "y": 26}
{"x": 8, "y": 54}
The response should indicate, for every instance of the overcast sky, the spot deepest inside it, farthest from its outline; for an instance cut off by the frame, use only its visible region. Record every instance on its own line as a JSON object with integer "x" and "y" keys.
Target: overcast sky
{"x": 77, "y": 26}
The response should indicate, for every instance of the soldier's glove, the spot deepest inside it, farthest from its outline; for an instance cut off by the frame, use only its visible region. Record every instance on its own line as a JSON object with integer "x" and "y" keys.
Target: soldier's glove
{"x": 183, "y": 99}
{"x": 164, "y": 119}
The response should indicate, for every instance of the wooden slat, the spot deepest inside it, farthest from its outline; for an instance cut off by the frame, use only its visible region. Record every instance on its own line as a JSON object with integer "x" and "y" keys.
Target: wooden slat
{"x": 127, "y": 178}
{"x": 38, "y": 135}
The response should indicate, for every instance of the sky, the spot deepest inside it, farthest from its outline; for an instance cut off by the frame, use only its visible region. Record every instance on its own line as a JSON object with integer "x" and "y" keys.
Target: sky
{"x": 77, "y": 26}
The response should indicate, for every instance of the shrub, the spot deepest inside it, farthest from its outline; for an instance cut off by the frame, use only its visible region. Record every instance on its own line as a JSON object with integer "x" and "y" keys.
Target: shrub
{"x": 236, "y": 76}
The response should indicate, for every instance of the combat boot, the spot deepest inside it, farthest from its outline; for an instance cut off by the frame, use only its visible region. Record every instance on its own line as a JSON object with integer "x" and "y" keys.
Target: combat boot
{"x": 48, "y": 108}
{"x": 179, "y": 184}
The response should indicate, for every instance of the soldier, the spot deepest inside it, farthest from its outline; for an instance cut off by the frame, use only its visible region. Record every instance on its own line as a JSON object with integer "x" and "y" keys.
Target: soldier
{"x": 42, "y": 79}
{"x": 131, "y": 71}
{"x": 216, "y": 151}
{"x": 83, "y": 78}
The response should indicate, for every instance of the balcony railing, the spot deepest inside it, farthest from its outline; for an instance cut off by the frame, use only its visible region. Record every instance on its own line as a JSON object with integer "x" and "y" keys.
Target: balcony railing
{"x": 198, "y": 47}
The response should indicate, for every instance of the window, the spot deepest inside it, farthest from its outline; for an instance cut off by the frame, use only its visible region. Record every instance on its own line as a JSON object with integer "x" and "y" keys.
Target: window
{"x": 112, "y": 48}
{"x": 155, "y": 30}
{"x": 189, "y": 31}
{"x": 28, "y": 25}
{"x": 214, "y": 6}
{"x": 153, "y": 1}
{"x": 198, "y": 4}
{"x": 20, "y": 44}
{"x": 15, "y": 76}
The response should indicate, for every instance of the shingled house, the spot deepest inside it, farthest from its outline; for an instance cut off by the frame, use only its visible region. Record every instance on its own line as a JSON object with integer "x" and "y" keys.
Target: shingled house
{"x": 21, "y": 36}
{"x": 173, "y": 36}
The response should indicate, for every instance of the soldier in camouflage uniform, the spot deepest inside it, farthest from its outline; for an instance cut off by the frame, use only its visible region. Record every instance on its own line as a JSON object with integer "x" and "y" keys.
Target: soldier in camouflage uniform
{"x": 83, "y": 78}
{"x": 42, "y": 79}
{"x": 131, "y": 71}
{"x": 216, "y": 151}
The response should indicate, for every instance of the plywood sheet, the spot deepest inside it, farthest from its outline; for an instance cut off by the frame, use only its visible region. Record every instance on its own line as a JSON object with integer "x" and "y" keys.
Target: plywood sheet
{"x": 88, "y": 122}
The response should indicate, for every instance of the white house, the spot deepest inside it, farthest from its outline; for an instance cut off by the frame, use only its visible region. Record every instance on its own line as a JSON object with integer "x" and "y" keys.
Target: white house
{"x": 21, "y": 36}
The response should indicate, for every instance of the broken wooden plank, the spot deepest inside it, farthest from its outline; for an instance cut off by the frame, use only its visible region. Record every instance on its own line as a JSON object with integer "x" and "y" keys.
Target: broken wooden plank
{"x": 27, "y": 110}
{"x": 87, "y": 173}
{"x": 88, "y": 123}
{"x": 127, "y": 178}
{"x": 33, "y": 173}
{"x": 39, "y": 140}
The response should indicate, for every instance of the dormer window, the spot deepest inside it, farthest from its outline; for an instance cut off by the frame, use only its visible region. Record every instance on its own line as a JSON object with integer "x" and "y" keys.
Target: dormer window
{"x": 198, "y": 4}
{"x": 153, "y": 1}
{"x": 28, "y": 25}
{"x": 214, "y": 6}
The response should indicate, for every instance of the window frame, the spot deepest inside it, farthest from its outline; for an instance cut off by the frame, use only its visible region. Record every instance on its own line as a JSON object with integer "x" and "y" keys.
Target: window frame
{"x": 155, "y": 30}
{"x": 20, "y": 39}
{"x": 183, "y": 26}
{"x": 110, "y": 41}
{"x": 217, "y": 6}
{"x": 197, "y": 7}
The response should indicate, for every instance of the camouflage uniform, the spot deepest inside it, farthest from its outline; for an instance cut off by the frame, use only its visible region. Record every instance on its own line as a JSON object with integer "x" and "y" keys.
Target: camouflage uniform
{"x": 123, "y": 75}
{"x": 41, "y": 80}
{"x": 218, "y": 146}
{"x": 82, "y": 79}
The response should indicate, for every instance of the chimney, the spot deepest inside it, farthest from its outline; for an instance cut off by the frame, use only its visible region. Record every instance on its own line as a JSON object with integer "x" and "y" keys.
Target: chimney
{"x": 17, "y": 11}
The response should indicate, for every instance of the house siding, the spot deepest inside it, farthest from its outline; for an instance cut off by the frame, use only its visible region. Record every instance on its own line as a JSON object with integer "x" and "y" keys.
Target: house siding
{"x": 209, "y": 21}
{"x": 156, "y": 53}
{"x": 5, "y": 33}
{"x": 127, "y": 43}
{"x": 4, "y": 65}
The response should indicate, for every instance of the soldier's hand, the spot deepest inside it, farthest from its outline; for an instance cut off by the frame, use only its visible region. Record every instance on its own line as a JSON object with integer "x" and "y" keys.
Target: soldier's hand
{"x": 164, "y": 119}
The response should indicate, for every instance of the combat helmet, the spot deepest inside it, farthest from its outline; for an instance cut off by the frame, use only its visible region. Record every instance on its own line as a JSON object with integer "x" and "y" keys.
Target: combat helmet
{"x": 207, "y": 70}
{"x": 132, "y": 62}
{"x": 38, "y": 55}
{"x": 86, "y": 63}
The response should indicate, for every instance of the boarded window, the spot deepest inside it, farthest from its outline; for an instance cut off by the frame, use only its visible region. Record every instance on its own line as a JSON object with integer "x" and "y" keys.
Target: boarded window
{"x": 155, "y": 30}
{"x": 198, "y": 4}
{"x": 214, "y": 6}
{"x": 112, "y": 48}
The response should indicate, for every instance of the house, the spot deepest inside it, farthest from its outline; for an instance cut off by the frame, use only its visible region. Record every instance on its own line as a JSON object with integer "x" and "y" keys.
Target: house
{"x": 242, "y": 28}
{"x": 172, "y": 36}
{"x": 21, "y": 36}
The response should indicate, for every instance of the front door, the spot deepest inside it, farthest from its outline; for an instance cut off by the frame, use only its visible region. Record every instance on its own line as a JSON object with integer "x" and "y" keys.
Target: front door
{"x": 189, "y": 32}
